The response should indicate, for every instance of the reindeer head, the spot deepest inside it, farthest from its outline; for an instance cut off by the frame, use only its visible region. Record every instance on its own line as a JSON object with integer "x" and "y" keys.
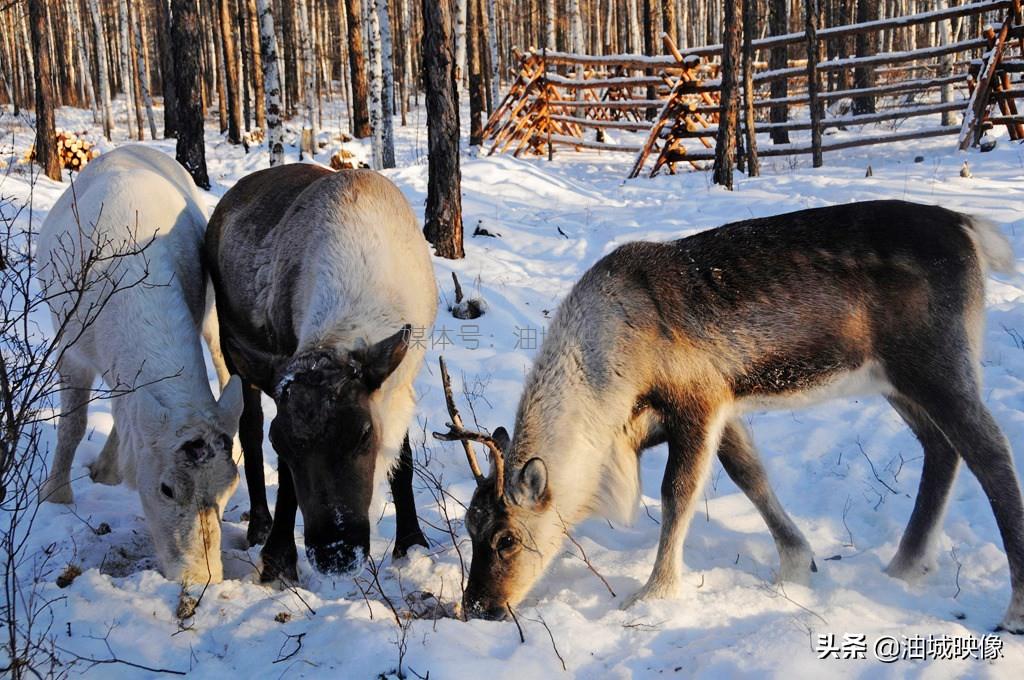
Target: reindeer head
{"x": 512, "y": 521}
{"x": 185, "y": 475}
{"x": 326, "y": 434}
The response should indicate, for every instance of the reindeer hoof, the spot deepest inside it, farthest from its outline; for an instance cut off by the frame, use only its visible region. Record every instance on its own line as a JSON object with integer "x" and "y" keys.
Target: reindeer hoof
{"x": 1013, "y": 622}
{"x": 797, "y": 565}
{"x": 104, "y": 474}
{"x": 56, "y": 491}
{"x": 279, "y": 566}
{"x": 259, "y": 526}
{"x": 403, "y": 544}
{"x": 652, "y": 591}
{"x": 909, "y": 571}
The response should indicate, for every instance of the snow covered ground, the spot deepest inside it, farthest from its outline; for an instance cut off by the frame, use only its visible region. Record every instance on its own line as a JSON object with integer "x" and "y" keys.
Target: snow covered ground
{"x": 847, "y": 470}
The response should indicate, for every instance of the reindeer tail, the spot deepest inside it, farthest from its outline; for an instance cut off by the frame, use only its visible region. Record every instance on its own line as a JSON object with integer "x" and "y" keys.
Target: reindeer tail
{"x": 991, "y": 245}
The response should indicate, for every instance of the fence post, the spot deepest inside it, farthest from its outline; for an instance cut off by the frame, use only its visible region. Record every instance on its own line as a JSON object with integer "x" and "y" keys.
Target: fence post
{"x": 811, "y": 21}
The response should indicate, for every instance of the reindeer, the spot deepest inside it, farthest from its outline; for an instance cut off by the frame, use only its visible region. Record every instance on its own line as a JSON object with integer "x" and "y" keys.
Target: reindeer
{"x": 319, "y": 278}
{"x": 673, "y": 342}
{"x": 119, "y": 258}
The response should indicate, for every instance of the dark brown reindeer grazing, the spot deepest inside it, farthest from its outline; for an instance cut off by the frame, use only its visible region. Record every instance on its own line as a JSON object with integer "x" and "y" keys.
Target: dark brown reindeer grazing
{"x": 319, "y": 277}
{"x": 674, "y": 341}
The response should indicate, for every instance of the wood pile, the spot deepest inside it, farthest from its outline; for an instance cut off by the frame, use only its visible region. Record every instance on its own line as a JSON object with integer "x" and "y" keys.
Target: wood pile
{"x": 74, "y": 151}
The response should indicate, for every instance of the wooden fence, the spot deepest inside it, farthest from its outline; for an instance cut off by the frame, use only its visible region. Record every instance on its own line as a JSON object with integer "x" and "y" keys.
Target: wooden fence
{"x": 673, "y": 99}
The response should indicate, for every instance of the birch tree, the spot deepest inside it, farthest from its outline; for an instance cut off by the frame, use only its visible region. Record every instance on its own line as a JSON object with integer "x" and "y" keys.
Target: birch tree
{"x": 163, "y": 26}
{"x": 576, "y": 27}
{"x": 127, "y": 80}
{"x": 140, "y": 55}
{"x": 102, "y": 72}
{"x": 461, "y": 18}
{"x": 271, "y": 81}
{"x": 372, "y": 22}
{"x": 388, "y": 86}
{"x": 549, "y": 23}
{"x": 492, "y": 46}
{"x": 308, "y": 83}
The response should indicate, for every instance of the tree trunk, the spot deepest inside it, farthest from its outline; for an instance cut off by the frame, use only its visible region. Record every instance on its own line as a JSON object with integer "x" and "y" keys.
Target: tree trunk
{"x": 272, "y": 81}
{"x": 461, "y": 19}
{"x": 476, "y": 85}
{"x": 191, "y": 148}
{"x": 140, "y": 55}
{"x": 749, "y": 27}
{"x": 388, "y": 86}
{"x": 46, "y": 130}
{"x": 549, "y": 24}
{"x": 813, "y": 84}
{"x": 492, "y": 46}
{"x": 778, "y": 22}
{"x": 576, "y": 27}
{"x": 259, "y": 94}
{"x": 867, "y": 44}
{"x": 292, "y": 77}
{"x": 163, "y": 28}
{"x": 103, "y": 74}
{"x": 372, "y": 24}
{"x": 234, "y": 97}
{"x": 725, "y": 144}
{"x": 126, "y": 65}
{"x": 308, "y": 141}
{"x": 357, "y": 68}
{"x": 443, "y": 223}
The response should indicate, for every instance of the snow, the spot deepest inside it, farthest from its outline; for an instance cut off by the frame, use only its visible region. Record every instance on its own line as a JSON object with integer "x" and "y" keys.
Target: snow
{"x": 555, "y": 219}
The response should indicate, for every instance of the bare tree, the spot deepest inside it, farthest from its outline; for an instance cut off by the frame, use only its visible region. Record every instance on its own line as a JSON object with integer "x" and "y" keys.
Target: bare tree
{"x": 163, "y": 29}
{"x": 127, "y": 78}
{"x": 443, "y": 226}
{"x": 867, "y": 44}
{"x": 357, "y": 68}
{"x": 230, "y": 68}
{"x": 140, "y": 56}
{"x": 191, "y": 147}
{"x": 29, "y": 389}
{"x": 725, "y": 143}
{"x": 258, "y": 77}
{"x": 46, "y": 129}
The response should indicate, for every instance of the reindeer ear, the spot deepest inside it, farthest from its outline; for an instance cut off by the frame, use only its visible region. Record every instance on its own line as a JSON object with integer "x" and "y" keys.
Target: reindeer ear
{"x": 502, "y": 439}
{"x": 230, "y": 404}
{"x": 155, "y": 417}
{"x": 379, "y": 361}
{"x": 259, "y": 368}
{"x": 532, "y": 485}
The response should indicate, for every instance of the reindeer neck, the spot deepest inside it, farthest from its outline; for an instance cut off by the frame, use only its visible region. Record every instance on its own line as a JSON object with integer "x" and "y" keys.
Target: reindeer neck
{"x": 574, "y": 425}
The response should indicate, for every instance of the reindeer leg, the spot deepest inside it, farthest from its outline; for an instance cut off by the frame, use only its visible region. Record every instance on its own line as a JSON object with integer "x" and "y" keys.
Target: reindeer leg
{"x": 954, "y": 405}
{"x": 743, "y": 465}
{"x": 407, "y": 525}
{"x": 280, "y": 558}
{"x": 75, "y": 389}
{"x": 693, "y": 438}
{"x": 250, "y": 433}
{"x": 106, "y": 469}
{"x": 915, "y": 556}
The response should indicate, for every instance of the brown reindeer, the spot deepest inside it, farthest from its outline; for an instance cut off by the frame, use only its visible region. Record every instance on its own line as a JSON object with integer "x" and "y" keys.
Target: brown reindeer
{"x": 672, "y": 342}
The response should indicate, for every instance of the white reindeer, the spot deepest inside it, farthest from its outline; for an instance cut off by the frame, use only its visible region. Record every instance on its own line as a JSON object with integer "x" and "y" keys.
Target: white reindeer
{"x": 119, "y": 258}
